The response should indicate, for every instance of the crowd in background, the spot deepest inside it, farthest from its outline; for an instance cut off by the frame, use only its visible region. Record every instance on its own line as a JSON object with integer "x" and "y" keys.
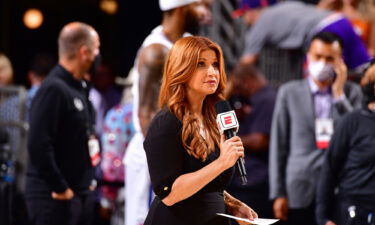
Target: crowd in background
{"x": 288, "y": 88}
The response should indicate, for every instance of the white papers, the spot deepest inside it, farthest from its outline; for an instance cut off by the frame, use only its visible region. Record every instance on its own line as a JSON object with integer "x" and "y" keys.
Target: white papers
{"x": 258, "y": 221}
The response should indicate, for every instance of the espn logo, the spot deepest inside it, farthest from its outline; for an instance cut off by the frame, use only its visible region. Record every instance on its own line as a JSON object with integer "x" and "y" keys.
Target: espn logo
{"x": 227, "y": 120}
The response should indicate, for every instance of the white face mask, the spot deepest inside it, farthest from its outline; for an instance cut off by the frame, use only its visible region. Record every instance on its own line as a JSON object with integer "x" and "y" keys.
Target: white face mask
{"x": 320, "y": 70}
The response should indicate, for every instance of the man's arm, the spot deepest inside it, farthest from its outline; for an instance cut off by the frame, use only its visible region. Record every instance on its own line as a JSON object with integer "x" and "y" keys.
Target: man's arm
{"x": 150, "y": 67}
{"x": 347, "y": 95}
{"x": 255, "y": 39}
{"x": 44, "y": 119}
{"x": 279, "y": 149}
{"x": 352, "y": 100}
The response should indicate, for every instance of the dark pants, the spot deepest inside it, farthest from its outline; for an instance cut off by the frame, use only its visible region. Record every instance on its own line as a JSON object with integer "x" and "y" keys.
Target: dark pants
{"x": 77, "y": 211}
{"x": 302, "y": 216}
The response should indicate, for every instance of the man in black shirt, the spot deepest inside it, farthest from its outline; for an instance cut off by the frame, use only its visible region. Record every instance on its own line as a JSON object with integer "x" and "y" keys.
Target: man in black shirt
{"x": 346, "y": 190}
{"x": 62, "y": 148}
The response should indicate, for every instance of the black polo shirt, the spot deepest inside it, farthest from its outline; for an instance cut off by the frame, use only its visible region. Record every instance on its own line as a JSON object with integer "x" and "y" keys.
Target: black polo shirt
{"x": 61, "y": 119}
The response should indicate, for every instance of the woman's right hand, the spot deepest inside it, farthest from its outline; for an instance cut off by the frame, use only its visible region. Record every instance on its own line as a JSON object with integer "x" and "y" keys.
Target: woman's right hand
{"x": 230, "y": 151}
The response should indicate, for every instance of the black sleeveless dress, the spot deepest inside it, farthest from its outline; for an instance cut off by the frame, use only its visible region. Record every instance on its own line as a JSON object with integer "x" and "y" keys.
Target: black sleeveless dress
{"x": 167, "y": 160}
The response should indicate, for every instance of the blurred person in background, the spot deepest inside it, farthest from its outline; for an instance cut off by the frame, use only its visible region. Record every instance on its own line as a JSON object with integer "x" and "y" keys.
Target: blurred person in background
{"x": 104, "y": 92}
{"x": 305, "y": 113}
{"x": 289, "y": 26}
{"x": 12, "y": 108}
{"x": 361, "y": 14}
{"x": 6, "y": 71}
{"x": 8, "y": 103}
{"x": 118, "y": 130}
{"x": 256, "y": 99}
{"x": 206, "y": 21}
{"x": 63, "y": 150}
{"x": 11, "y": 196}
{"x": 180, "y": 18}
{"x": 39, "y": 68}
{"x": 346, "y": 191}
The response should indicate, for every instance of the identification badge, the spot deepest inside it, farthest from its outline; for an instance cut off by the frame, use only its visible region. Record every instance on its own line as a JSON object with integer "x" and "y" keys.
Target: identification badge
{"x": 94, "y": 151}
{"x": 323, "y": 132}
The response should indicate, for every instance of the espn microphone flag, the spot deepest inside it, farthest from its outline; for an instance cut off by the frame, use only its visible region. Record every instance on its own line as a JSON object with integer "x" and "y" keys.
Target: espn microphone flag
{"x": 226, "y": 118}
{"x": 226, "y": 121}
{"x": 228, "y": 125}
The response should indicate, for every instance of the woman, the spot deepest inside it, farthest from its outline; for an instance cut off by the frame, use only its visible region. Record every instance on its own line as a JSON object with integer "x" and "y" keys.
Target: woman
{"x": 190, "y": 164}
{"x": 346, "y": 191}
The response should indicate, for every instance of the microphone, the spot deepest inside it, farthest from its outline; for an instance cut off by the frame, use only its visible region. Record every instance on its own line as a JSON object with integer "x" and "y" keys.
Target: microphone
{"x": 227, "y": 123}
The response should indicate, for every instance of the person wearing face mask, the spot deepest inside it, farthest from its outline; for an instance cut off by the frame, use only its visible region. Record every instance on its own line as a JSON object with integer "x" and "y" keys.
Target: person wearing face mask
{"x": 349, "y": 166}
{"x": 62, "y": 147}
{"x": 302, "y": 124}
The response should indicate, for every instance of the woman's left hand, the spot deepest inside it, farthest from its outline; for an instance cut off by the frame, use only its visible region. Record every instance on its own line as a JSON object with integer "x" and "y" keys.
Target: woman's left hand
{"x": 243, "y": 211}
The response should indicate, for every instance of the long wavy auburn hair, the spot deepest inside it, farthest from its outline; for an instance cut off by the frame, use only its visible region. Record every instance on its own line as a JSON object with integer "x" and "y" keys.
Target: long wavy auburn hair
{"x": 181, "y": 63}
